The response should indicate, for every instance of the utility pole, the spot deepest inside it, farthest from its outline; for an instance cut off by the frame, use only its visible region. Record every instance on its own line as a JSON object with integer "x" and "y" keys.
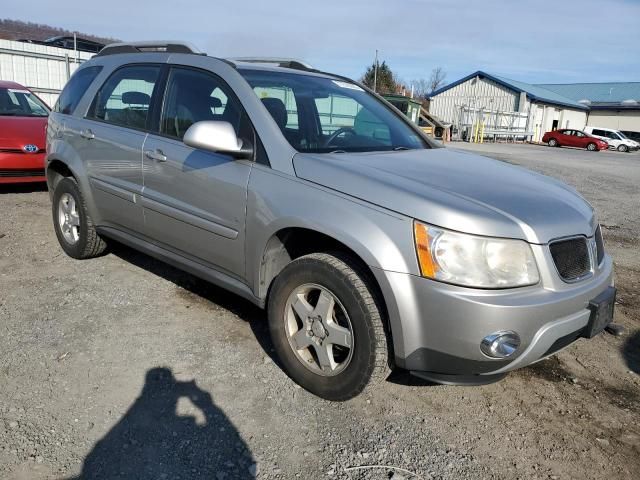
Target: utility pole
{"x": 75, "y": 48}
{"x": 375, "y": 73}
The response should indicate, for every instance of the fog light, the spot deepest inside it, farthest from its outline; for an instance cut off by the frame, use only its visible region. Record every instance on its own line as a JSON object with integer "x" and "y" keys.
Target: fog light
{"x": 500, "y": 344}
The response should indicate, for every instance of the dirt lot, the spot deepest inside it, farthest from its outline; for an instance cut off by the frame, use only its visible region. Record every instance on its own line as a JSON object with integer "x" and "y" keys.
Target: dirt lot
{"x": 125, "y": 366}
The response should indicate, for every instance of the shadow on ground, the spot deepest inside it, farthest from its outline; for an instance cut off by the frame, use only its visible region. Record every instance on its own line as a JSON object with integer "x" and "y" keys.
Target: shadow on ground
{"x": 23, "y": 187}
{"x": 153, "y": 441}
{"x": 203, "y": 290}
{"x": 631, "y": 352}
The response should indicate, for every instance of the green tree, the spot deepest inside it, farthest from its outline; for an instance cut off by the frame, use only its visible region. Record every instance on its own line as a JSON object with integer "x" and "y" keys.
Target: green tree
{"x": 386, "y": 80}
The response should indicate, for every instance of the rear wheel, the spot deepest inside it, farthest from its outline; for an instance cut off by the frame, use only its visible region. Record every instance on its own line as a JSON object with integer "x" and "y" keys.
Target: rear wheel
{"x": 553, "y": 142}
{"x": 73, "y": 224}
{"x": 592, "y": 147}
{"x": 623, "y": 148}
{"x": 326, "y": 326}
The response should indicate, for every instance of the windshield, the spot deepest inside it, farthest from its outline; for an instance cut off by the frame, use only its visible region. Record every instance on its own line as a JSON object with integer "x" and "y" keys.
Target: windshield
{"x": 320, "y": 115}
{"x": 18, "y": 102}
{"x": 622, "y": 135}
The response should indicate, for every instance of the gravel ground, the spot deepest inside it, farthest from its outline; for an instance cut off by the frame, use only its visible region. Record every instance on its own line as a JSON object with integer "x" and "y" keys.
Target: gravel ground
{"x": 126, "y": 366}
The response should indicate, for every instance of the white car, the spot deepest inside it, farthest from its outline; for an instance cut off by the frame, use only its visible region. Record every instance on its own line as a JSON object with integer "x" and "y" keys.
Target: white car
{"x": 615, "y": 138}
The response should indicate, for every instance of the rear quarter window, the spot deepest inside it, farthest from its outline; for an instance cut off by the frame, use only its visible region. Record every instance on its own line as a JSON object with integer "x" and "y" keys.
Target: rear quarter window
{"x": 75, "y": 89}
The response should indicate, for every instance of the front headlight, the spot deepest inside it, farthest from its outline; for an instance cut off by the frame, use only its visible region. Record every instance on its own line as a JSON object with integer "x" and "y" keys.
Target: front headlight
{"x": 473, "y": 261}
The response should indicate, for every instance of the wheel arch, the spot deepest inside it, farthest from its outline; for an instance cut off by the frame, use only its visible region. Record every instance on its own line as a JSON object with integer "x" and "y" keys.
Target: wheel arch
{"x": 289, "y": 243}
{"x": 56, "y": 171}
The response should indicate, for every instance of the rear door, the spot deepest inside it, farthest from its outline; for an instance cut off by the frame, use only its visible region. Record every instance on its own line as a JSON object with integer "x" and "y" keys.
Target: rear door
{"x": 110, "y": 141}
{"x": 566, "y": 138}
{"x": 194, "y": 200}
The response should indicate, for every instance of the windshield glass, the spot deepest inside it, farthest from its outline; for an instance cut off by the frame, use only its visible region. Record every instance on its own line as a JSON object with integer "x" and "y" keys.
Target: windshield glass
{"x": 21, "y": 103}
{"x": 622, "y": 136}
{"x": 320, "y": 115}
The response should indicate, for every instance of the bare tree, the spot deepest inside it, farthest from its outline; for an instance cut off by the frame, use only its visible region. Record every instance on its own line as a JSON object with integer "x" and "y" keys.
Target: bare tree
{"x": 420, "y": 88}
{"x": 436, "y": 80}
{"x": 423, "y": 87}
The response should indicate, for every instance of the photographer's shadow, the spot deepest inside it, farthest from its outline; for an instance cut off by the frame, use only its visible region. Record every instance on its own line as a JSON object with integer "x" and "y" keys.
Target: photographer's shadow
{"x": 151, "y": 441}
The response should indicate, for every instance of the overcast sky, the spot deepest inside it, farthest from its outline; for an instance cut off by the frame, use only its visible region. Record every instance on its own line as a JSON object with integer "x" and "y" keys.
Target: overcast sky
{"x": 533, "y": 41}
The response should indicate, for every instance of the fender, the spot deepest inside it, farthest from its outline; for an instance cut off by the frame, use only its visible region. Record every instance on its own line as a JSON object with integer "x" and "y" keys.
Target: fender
{"x": 382, "y": 239}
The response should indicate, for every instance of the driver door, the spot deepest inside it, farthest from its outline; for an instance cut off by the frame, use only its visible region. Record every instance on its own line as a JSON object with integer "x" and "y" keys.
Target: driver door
{"x": 194, "y": 200}
{"x": 581, "y": 139}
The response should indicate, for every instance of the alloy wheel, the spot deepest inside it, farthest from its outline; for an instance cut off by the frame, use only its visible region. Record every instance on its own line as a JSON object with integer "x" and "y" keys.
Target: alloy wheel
{"x": 69, "y": 218}
{"x": 319, "y": 329}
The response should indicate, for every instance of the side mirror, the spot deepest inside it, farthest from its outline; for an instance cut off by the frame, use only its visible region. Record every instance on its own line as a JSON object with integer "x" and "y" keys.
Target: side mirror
{"x": 219, "y": 137}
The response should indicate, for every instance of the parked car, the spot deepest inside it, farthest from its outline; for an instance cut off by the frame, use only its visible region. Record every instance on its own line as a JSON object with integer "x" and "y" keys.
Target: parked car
{"x": 574, "y": 138}
{"x": 311, "y": 196}
{"x": 616, "y": 139}
{"x": 23, "y": 119}
{"x": 635, "y": 136}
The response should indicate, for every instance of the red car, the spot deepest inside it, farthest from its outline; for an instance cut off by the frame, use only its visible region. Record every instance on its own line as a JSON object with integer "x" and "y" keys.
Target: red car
{"x": 23, "y": 120}
{"x": 574, "y": 138}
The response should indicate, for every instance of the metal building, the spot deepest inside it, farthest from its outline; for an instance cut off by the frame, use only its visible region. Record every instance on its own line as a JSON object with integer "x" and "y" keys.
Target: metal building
{"x": 485, "y": 106}
{"x": 43, "y": 69}
{"x": 611, "y": 105}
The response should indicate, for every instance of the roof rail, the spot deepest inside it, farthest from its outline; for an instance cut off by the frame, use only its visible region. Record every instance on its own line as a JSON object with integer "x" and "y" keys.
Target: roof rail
{"x": 280, "y": 62}
{"x": 163, "y": 46}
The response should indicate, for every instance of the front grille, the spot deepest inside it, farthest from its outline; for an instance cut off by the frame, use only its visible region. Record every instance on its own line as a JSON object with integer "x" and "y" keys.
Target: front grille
{"x": 571, "y": 257}
{"x": 599, "y": 245}
{"x": 20, "y": 151}
{"x": 34, "y": 172}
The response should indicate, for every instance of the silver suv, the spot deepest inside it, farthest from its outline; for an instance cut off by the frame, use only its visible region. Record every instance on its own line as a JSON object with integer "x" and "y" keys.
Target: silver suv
{"x": 309, "y": 195}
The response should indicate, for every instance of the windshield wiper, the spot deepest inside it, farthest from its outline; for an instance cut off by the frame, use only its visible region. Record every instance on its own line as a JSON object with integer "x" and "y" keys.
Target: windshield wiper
{"x": 397, "y": 149}
{"x": 338, "y": 151}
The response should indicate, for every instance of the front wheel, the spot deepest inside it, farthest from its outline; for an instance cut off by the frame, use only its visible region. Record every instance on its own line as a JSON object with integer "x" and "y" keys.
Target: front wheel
{"x": 327, "y": 327}
{"x": 623, "y": 148}
{"x": 553, "y": 142}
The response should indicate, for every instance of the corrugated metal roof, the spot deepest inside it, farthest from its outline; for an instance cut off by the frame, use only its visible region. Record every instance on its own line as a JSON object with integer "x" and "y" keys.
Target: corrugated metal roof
{"x": 541, "y": 93}
{"x": 603, "y": 93}
{"x": 534, "y": 92}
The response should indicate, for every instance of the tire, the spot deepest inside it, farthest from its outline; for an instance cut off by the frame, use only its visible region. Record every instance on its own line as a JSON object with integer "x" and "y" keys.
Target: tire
{"x": 592, "y": 147}
{"x": 623, "y": 148}
{"x": 364, "y": 363}
{"x": 72, "y": 223}
{"x": 553, "y": 143}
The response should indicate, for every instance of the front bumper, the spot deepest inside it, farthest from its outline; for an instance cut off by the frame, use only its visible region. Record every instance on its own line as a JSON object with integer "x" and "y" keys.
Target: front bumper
{"x": 437, "y": 328}
{"x": 21, "y": 167}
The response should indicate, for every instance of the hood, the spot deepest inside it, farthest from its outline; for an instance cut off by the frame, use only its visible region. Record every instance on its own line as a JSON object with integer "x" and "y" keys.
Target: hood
{"x": 456, "y": 190}
{"x": 16, "y": 132}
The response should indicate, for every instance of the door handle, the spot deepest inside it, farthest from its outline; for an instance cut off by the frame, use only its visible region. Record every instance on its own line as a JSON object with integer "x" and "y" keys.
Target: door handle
{"x": 156, "y": 155}
{"x": 87, "y": 133}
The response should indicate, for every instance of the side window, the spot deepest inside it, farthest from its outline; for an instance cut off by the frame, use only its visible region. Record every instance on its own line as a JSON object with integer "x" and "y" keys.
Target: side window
{"x": 600, "y": 133}
{"x": 336, "y": 112}
{"x": 125, "y": 97}
{"x": 75, "y": 89}
{"x": 579, "y": 134}
{"x": 193, "y": 96}
{"x": 282, "y": 105}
